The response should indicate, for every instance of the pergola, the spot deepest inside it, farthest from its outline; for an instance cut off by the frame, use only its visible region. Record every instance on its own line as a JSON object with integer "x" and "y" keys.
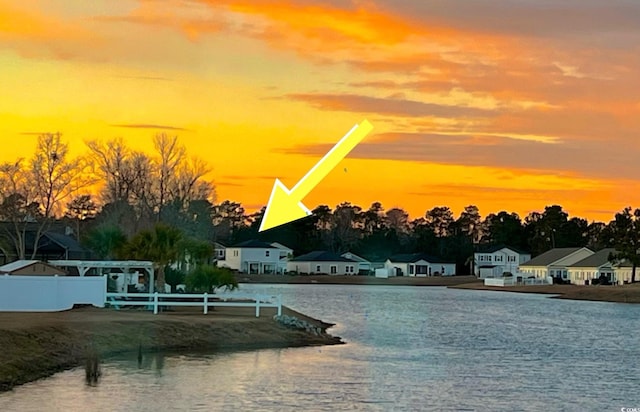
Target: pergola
{"x": 84, "y": 266}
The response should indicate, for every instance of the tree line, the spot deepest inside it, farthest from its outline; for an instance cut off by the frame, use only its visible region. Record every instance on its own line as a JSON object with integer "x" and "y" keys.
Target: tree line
{"x": 115, "y": 195}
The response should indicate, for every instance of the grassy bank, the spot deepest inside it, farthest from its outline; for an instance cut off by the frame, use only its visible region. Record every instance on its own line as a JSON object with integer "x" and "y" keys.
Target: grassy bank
{"x": 356, "y": 280}
{"x": 620, "y": 293}
{"x": 36, "y": 345}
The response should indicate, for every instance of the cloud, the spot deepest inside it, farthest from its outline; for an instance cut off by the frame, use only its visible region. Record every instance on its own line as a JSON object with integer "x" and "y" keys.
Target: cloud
{"x": 150, "y": 126}
{"x": 395, "y": 107}
{"x": 563, "y": 158}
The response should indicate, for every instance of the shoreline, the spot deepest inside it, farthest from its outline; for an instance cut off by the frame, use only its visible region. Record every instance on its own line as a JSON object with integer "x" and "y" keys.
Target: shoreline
{"x": 592, "y": 293}
{"x": 38, "y": 345}
{"x": 355, "y": 280}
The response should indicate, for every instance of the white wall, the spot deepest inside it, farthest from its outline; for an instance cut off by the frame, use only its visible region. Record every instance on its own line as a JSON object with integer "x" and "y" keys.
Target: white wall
{"x": 50, "y": 293}
{"x": 325, "y": 267}
{"x": 239, "y": 258}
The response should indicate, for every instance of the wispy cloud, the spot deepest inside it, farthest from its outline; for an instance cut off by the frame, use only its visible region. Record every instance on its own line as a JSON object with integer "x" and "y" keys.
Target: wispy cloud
{"x": 150, "y": 126}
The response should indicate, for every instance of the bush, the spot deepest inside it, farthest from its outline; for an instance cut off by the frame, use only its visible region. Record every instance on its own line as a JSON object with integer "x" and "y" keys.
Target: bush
{"x": 206, "y": 279}
{"x": 173, "y": 277}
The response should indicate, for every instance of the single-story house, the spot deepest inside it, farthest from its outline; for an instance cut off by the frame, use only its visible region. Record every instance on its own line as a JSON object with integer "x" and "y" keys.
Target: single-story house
{"x": 419, "y": 264}
{"x": 322, "y": 262}
{"x": 494, "y": 261}
{"x": 593, "y": 267}
{"x": 555, "y": 262}
{"x": 31, "y": 268}
{"x": 254, "y": 257}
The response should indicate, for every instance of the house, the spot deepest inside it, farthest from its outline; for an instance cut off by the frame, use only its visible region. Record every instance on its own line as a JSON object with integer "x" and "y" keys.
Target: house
{"x": 494, "y": 261}
{"x": 31, "y": 268}
{"x": 593, "y": 267}
{"x": 419, "y": 264}
{"x": 623, "y": 271}
{"x": 254, "y": 257}
{"x": 322, "y": 262}
{"x": 555, "y": 262}
{"x": 51, "y": 245}
{"x": 364, "y": 266}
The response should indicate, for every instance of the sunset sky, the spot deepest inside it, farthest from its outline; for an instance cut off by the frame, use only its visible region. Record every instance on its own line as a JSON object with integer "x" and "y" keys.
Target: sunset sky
{"x": 505, "y": 104}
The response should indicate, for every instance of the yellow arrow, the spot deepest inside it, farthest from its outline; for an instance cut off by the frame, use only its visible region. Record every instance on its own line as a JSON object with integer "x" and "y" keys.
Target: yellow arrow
{"x": 286, "y": 205}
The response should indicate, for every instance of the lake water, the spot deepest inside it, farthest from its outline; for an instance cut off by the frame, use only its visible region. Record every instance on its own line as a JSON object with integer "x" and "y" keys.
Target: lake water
{"x": 408, "y": 348}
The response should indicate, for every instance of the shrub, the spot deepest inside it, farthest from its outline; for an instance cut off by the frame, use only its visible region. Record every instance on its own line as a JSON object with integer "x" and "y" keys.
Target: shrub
{"x": 206, "y": 279}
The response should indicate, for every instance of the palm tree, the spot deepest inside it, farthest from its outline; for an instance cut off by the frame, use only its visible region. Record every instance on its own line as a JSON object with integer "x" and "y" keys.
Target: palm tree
{"x": 159, "y": 245}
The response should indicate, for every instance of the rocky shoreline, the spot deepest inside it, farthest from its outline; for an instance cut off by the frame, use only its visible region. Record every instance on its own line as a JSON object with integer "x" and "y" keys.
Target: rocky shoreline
{"x": 37, "y": 345}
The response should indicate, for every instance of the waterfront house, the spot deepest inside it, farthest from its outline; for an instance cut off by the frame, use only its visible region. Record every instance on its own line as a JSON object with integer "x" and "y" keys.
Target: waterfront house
{"x": 555, "y": 262}
{"x": 593, "y": 267}
{"x": 254, "y": 257}
{"x": 31, "y": 268}
{"x": 494, "y": 261}
{"x": 322, "y": 262}
{"x": 219, "y": 251}
{"x": 419, "y": 264}
{"x": 364, "y": 266}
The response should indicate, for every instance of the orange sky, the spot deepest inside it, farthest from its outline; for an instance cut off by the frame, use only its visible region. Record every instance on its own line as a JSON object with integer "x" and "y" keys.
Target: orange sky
{"x": 508, "y": 105}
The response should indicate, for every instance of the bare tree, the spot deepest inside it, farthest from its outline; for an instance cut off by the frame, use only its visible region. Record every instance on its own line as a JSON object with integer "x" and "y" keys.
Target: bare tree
{"x": 170, "y": 156}
{"x": 32, "y": 193}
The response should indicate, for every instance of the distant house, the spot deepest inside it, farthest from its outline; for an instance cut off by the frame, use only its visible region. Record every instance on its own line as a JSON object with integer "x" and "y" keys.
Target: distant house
{"x": 31, "y": 268}
{"x": 593, "y": 267}
{"x": 555, "y": 262}
{"x": 51, "y": 246}
{"x": 253, "y": 257}
{"x": 364, "y": 266}
{"x": 322, "y": 262}
{"x": 419, "y": 264}
{"x": 494, "y": 261}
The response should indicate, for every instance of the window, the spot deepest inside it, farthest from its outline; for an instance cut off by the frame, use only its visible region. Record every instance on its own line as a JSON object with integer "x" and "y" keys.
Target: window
{"x": 349, "y": 269}
{"x": 511, "y": 258}
{"x": 266, "y": 253}
{"x": 318, "y": 268}
{"x": 411, "y": 269}
{"x": 235, "y": 253}
{"x": 334, "y": 269}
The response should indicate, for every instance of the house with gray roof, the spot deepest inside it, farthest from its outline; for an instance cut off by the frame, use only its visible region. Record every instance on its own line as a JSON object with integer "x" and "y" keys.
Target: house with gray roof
{"x": 593, "y": 267}
{"x": 419, "y": 264}
{"x": 321, "y": 262}
{"x": 555, "y": 262}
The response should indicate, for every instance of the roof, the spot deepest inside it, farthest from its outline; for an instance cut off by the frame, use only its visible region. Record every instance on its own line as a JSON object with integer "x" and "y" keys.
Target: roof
{"x": 321, "y": 256}
{"x": 414, "y": 257}
{"x": 67, "y": 242}
{"x": 17, "y": 265}
{"x": 553, "y": 255}
{"x": 353, "y": 256}
{"x": 495, "y": 248}
{"x": 280, "y": 246}
{"x": 254, "y": 244}
{"x": 598, "y": 259}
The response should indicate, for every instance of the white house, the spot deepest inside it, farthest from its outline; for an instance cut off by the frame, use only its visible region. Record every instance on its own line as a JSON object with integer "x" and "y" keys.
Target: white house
{"x": 555, "y": 262}
{"x": 419, "y": 264}
{"x": 364, "y": 266}
{"x": 253, "y": 257}
{"x": 321, "y": 262}
{"x": 493, "y": 262}
{"x": 593, "y": 267}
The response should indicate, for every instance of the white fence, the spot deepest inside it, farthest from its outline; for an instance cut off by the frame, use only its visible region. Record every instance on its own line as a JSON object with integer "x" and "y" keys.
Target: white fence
{"x": 513, "y": 281}
{"x": 153, "y": 300}
{"x": 50, "y": 293}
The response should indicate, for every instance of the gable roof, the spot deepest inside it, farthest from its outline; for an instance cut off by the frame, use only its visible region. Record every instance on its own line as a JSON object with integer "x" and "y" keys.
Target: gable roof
{"x": 414, "y": 257}
{"x": 25, "y": 263}
{"x": 280, "y": 246}
{"x": 353, "y": 256}
{"x": 551, "y": 256}
{"x": 495, "y": 248}
{"x": 321, "y": 256}
{"x": 254, "y": 244}
{"x": 598, "y": 259}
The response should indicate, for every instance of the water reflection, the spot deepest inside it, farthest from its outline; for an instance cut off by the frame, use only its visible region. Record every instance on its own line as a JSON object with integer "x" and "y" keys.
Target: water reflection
{"x": 408, "y": 349}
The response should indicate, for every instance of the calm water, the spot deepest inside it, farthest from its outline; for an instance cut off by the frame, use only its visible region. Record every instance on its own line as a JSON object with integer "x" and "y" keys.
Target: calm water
{"x": 409, "y": 348}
